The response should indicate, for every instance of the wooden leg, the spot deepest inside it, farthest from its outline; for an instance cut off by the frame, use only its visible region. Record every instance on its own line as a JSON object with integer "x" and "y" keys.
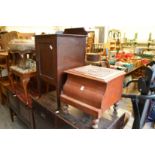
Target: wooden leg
{"x": 1, "y": 100}
{"x": 58, "y": 99}
{"x": 11, "y": 81}
{"x": 95, "y": 123}
{"x": 39, "y": 85}
{"x": 47, "y": 87}
{"x": 11, "y": 114}
{"x": 115, "y": 108}
{"x": 25, "y": 82}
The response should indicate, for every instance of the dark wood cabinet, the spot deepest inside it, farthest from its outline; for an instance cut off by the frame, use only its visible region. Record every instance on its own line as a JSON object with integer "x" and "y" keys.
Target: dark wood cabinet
{"x": 23, "y": 112}
{"x": 46, "y": 117}
{"x": 44, "y": 113}
{"x": 43, "y": 117}
{"x": 56, "y": 53}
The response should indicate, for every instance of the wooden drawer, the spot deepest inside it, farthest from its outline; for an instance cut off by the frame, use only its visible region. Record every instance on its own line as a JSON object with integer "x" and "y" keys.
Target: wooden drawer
{"x": 26, "y": 114}
{"x": 43, "y": 119}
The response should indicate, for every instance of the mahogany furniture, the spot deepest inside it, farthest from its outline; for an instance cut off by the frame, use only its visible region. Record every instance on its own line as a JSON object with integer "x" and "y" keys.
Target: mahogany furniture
{"x": 4, "y": 67}
{"x": 3, "y": 91}
{"x": 80, "y": 31}
{"x": 24, "y": 77}
{"x": 4, "y": 57}
{"x": 44, "y": 112}
{"x": 19, "y": 108}
{"x": 92, "y": 89}
{"x": 46, "y": 116}
{"x": 56, "y": 53}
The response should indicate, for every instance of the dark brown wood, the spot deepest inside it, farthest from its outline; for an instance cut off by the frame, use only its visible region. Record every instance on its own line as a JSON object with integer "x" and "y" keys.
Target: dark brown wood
{"x": 3, "y": 91}
{"x": 93, "y": 57}
{"x": 20, "y": 109}
{"x": 44, "y": 111}
{"x": 92, "y": 94}
{"x": 80, "y": 31}
{"x": 46, "y": 116}
{"x": 56, "y": 53}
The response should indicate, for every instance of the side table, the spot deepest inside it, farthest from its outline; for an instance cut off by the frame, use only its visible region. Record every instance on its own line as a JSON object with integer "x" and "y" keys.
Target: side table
{"x": 24, "y": 78}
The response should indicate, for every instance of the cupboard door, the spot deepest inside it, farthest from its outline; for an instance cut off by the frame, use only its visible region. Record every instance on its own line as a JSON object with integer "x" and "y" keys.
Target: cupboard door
{"x": 26, "y": 114}
{"x": 46, "y": 53}
{"x": 43, "y": 119}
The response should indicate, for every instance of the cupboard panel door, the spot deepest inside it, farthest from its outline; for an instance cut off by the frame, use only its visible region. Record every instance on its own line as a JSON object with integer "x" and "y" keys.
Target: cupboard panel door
{"x": 47, "y": 59}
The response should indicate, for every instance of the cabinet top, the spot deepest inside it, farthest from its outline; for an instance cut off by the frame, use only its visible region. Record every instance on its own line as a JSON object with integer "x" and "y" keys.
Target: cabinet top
{"x": 101, "y": 74}
{"x": 60, "y": 35}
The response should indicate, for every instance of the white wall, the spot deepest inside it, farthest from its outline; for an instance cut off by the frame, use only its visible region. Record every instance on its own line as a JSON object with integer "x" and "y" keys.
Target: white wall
{"x": 35, "y": 29}
{"x": 128, "y": 30}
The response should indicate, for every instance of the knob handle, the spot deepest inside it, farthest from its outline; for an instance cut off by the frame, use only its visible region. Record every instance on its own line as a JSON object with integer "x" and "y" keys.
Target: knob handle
{"x": 51, "y": 47}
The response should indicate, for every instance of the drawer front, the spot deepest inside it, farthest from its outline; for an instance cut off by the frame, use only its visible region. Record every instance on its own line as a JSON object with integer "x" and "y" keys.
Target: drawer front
{"x": 26, "y": 114}
{"x": 43, "y": 119}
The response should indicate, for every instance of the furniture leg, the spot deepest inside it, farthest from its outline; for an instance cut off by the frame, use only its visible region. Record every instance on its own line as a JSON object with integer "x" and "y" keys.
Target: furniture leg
{"x": 1, "y": 101}
{"x": 11, "y": 81}
{"x": 11, "y": 114}
{"x": 25, "y": 82}
{"x": 58, "y": 98}
{"x": 115, "y": 108}
{"x": 95, "y": 123}
{"x": 47, "y": 87}
{"x": 39, "y": 86}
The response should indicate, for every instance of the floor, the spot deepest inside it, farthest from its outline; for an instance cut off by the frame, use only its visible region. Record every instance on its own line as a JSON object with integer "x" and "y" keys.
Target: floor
{"x": 5, "y": 120}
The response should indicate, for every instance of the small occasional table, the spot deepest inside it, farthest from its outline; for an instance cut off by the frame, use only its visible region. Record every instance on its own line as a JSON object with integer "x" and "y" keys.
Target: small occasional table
{"x": 24, "y": 78}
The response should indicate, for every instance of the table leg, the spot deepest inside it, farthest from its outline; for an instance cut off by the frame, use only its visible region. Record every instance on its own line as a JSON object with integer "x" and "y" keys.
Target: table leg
{"x": 11, "y": 81}
{"x": 11, "y": 114}
{"x": 25, "y": 82}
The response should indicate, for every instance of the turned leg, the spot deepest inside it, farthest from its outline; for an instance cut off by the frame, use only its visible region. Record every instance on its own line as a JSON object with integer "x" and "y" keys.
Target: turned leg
{"x": 96, "y": 120}
{"x": 95, "y": 123}
{"x": 25, "y": 82}
{"x": 115, "y": 107}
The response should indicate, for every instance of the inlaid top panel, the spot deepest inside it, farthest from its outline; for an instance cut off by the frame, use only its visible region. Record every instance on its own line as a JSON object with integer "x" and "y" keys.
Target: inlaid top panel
{"x": 95, "y": 72}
